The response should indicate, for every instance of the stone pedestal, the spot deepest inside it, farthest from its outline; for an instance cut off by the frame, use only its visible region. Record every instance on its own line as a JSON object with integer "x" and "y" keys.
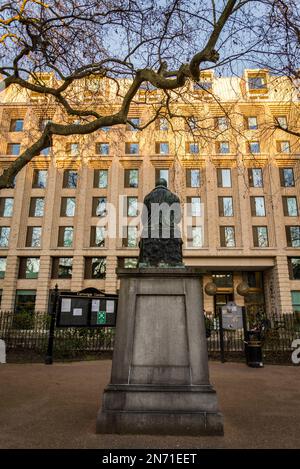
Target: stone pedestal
{"x": 159, "y": 380}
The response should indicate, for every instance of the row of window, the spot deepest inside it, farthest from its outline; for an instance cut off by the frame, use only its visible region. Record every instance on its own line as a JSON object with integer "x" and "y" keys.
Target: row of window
{"x": 161, "y": 148}
{"x": 193, "y": 178}
{"x": 130, "y": 240}
{"x": 162, "y": 123}
{"x": 95, "y": 267}
{"x": 99, "y": 206}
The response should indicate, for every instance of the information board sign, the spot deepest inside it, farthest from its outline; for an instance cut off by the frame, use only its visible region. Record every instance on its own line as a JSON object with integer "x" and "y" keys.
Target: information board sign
{"x": 86, "y": 310}
{"x": 232, "y": 316}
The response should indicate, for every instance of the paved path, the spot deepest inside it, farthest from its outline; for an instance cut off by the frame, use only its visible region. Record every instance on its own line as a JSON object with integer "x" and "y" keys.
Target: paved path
{"x": 55, "y": 407}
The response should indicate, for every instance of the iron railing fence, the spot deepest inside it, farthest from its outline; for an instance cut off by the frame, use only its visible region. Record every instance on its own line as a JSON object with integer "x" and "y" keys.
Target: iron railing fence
{"x": 24, "y": 331}
{"x": 31, "y": 332}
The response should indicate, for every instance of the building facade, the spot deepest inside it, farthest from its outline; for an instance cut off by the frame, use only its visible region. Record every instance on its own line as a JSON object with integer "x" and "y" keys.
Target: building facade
{"x": 221, "y": 153}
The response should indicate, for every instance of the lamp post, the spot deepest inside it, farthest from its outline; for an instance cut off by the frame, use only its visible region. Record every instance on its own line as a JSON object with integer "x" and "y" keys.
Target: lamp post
{"x": 49, "y": 356}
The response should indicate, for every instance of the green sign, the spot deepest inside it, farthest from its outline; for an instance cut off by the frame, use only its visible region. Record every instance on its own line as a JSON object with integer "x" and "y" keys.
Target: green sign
{"x": 101, "y": 317}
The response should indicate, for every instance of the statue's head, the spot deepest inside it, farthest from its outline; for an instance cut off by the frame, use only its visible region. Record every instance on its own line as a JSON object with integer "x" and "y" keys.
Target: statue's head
{"x": 161, "y": 182}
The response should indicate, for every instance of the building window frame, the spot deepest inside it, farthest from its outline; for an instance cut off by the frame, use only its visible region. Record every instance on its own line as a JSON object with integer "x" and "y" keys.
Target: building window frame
{"x": 29, "y": 267}
{"x": 227, "y": 236}
{"x": 62, "y": 269}
{"x": 260, "y": 236}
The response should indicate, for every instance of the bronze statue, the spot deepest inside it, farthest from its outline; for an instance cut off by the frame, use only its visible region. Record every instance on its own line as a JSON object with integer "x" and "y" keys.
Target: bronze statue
{"x": 161, "y": 243}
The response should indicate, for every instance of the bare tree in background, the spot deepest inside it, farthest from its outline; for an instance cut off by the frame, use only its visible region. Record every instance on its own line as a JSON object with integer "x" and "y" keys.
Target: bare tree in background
{"x": 280, "y": 54}
{"x": 64, "y": 49}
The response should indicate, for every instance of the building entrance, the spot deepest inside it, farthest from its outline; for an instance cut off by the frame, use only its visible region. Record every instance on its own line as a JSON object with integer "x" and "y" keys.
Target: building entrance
{"x": 221, "y": 299}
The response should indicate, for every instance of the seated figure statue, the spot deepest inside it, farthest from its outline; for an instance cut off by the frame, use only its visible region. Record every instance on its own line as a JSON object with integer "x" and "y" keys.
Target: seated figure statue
{"x": 161, "y": 243}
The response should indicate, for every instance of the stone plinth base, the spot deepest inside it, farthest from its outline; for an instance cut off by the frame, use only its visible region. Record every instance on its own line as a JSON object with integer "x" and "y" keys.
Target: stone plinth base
{"x": 159, "y": 382}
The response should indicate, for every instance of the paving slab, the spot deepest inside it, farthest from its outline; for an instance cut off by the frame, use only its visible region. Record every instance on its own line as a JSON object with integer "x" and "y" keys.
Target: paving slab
{"x": 55, "y": 406}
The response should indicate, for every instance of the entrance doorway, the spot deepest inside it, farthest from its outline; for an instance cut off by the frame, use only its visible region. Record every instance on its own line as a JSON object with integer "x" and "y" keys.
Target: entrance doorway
{"x": 221, "y": 299}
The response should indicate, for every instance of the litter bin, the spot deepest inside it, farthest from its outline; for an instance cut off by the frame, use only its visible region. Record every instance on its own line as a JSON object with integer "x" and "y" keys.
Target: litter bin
{"x": 253, "y": 349}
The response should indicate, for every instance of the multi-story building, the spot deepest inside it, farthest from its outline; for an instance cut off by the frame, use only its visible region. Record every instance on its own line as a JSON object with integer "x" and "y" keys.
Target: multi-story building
{"x": 238, "y": 169}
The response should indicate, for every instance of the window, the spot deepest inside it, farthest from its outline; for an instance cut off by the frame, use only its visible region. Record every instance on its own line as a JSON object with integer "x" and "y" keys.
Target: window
{"x": 223, "y": 279}
{"x": 128, "y": 262}
{"x": 4, "y": 236}
{"x": 2, "y": 267}
{"x": 195, "y": 240}
{"x": 99, "y": 207}
{"x": 192, "y": 123}
{"x": 132, "y": 209}
{"x": 290, "y": 206}
{"x": 62, "y": 267}
{"x": 293, "y": 236}
{"x": 65, "y": 236}
{"x": 132, "y": 148}
{"x": 224, "y": 177}
{"x": 194, "y": 208}
{"x": 283, "y": 146}
{"x": 67, "y": 208}
{"x": 13, "y": 149}
{"x": 281, "y": 121}
{"x": 223, "y": 147}
{"x": 162, "y": 124}
{"x": 70, "y": 179}
{"x": 222, "y": 123}
{"x": 225, "y": 207}
{"x": 135, "y": 121}
{"x": 294, "y": 268}
{"x": 296, "y": 301}
{"x": 25, "y": 301}
{"x": 16, "y": 125}
{"x": 192, "y": 177}
{"x": 37, "y": 205}
{"x": 254, "y": 147}
{"x": 287, "y": 177}
{"x": 29, "y": 267}
{"x": 252, "y": 123}
{"x": 227, "y": 236}
{"x": 254, "y": 280}
{"x": 6, "y": 206}
{"x": 40, "y": 178}
{"x": 97, "y": 238}
{"x": 131, "y": 178}
{"x": 131, "y": 239}
{"x": 162, "y": 174}
{"x": 260, "y": 236}
{"x": 257, "y": 206}
{"x": 256, "y": 83}
{"x": 101, "y": 178}
{"x": 73, "y": 149}
{"x": 102, "y": 148}
{"x": 162, "y": 148}
{"x": 255, "y": 177}
{"x": 192, "y": 148}
{"x": 95, "y": 267}
{"x": 33, "y": 237}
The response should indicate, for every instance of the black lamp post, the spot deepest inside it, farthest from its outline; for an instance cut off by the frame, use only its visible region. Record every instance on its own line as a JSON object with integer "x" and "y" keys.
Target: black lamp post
{"x": 49, "y": 356}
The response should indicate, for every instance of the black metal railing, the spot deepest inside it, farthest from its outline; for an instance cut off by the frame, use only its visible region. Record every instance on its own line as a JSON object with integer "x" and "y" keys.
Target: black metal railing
{"x": 26, "y": 332}
{"x": 30, "y": 332}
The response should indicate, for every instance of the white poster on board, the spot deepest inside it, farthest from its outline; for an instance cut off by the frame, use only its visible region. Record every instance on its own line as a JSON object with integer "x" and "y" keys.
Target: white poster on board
{"x": 110, "y": 306}
{"x": 77, "y": 312}
{"x": 66, "y": 305}
{"x": 95, "y": 306}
